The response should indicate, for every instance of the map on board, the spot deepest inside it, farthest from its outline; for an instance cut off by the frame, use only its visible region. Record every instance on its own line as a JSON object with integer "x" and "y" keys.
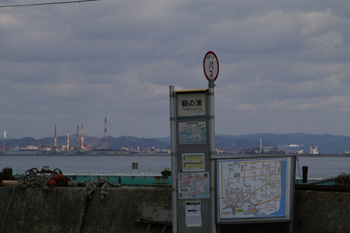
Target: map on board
{"x": 251, "y": 188}
{"x": 192, "y": 132}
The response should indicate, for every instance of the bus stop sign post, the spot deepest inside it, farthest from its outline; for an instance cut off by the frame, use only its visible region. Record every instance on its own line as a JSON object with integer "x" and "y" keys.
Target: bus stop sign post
{"x": 211, "y": 72}
{"x": 193, "y": 154}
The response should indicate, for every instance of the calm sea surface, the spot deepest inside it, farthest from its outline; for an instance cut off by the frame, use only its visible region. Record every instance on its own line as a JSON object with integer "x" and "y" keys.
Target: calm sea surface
{"x": 319, "y": 167}
{"x": 323, "y": 167}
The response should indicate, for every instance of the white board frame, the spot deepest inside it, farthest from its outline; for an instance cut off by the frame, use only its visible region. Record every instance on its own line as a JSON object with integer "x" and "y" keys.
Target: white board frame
{"x": 289, "y": 180}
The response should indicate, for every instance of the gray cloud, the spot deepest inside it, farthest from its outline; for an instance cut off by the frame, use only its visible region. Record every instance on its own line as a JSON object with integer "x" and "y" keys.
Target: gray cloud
{"x": 284, "y": 66}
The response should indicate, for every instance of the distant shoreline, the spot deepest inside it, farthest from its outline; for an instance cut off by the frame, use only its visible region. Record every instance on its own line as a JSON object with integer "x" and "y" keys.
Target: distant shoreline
{"x": 325, "y": 155}
{"x": 165, "y": 154}
{"x": 301, "y": 155}
{"x": 88, "y": 154}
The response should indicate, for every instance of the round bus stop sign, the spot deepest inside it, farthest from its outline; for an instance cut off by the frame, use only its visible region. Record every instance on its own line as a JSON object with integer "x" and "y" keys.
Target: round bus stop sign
{"x": 211, "y": 66}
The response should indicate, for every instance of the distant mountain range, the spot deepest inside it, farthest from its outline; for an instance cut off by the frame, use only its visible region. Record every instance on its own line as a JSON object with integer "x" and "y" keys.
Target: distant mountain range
{"x": 326, "y": 143}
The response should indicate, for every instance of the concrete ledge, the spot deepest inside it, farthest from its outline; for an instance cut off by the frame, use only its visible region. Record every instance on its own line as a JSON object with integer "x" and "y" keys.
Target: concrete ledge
{"x": 62, "y": 209}
{"x": 322, "y": 212}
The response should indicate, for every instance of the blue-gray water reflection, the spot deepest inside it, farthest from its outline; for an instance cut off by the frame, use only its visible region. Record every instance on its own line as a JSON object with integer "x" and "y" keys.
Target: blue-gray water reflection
{"x": 319, "y": 167}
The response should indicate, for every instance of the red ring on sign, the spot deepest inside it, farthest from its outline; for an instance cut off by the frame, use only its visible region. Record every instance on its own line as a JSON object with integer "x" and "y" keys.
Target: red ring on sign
{"x": 217, "y": 62}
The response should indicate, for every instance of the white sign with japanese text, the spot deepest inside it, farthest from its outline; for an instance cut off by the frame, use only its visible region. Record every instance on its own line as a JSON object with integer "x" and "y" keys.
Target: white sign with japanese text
{"x": 193, "y": 214}
{"x": 191, "y": 104}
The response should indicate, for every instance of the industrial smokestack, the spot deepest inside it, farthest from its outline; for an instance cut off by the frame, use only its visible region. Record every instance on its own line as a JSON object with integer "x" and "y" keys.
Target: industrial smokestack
{"x": 82, "y": 137}
{"x": 77, "y": 143}
{"x": 55, "y": 142}
{"x": 4, "y": 142}
{"x": 68, "y": 141}
{"x": 105, "y": 135}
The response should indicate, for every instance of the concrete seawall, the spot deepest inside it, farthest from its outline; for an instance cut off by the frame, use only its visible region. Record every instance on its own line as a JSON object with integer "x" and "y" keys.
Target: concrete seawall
{"x": 63, "y": 209}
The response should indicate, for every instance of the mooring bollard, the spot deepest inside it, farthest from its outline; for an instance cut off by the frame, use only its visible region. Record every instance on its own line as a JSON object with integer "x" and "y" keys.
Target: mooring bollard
{"x": 305, "y": 169}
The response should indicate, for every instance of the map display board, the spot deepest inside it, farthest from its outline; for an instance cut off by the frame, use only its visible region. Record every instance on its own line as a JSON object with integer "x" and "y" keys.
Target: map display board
{"x": 194, "y": 132}
{"x": 255, "y": 189}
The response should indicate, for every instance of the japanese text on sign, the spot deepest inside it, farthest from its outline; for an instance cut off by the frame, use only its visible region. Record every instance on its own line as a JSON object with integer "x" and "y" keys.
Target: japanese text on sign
{"x": 193, "y": 185}
{"x": 193, "y": 162}
{"x": 191, "y": 104}
{"x": 211, "y": 66}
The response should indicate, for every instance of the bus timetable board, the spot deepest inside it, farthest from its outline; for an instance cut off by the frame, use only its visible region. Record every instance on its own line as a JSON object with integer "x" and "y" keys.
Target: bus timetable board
{"x": 255, "y": 189}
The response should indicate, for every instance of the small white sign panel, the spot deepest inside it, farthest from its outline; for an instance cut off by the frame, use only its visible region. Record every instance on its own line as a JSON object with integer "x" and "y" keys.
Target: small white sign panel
{"x": 193, "y": 162}
{"x": 193, "y": 214}
{"x": 191, "y": 104}
{"x": 194, "y": 185}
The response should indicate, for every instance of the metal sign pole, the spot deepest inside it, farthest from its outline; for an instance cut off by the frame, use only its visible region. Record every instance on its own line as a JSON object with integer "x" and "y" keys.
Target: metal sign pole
{"x": 212, "y": 152}
{"x": 211, "y": 72}
{"x": 173, "y": 156}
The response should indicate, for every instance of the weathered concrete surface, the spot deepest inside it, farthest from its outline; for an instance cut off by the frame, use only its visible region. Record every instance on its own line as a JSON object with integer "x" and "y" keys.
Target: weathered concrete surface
{"x": 63, "y": 210}
{"x": 322, "y": 212}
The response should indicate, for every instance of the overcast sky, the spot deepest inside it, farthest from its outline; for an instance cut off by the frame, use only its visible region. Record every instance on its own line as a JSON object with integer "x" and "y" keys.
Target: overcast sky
{"x": 284, "y": 65}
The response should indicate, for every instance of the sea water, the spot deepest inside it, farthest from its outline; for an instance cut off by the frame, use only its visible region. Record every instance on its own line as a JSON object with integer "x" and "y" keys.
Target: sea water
{"x": 318, "y": 167}
{"x": 323, "y": 167}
